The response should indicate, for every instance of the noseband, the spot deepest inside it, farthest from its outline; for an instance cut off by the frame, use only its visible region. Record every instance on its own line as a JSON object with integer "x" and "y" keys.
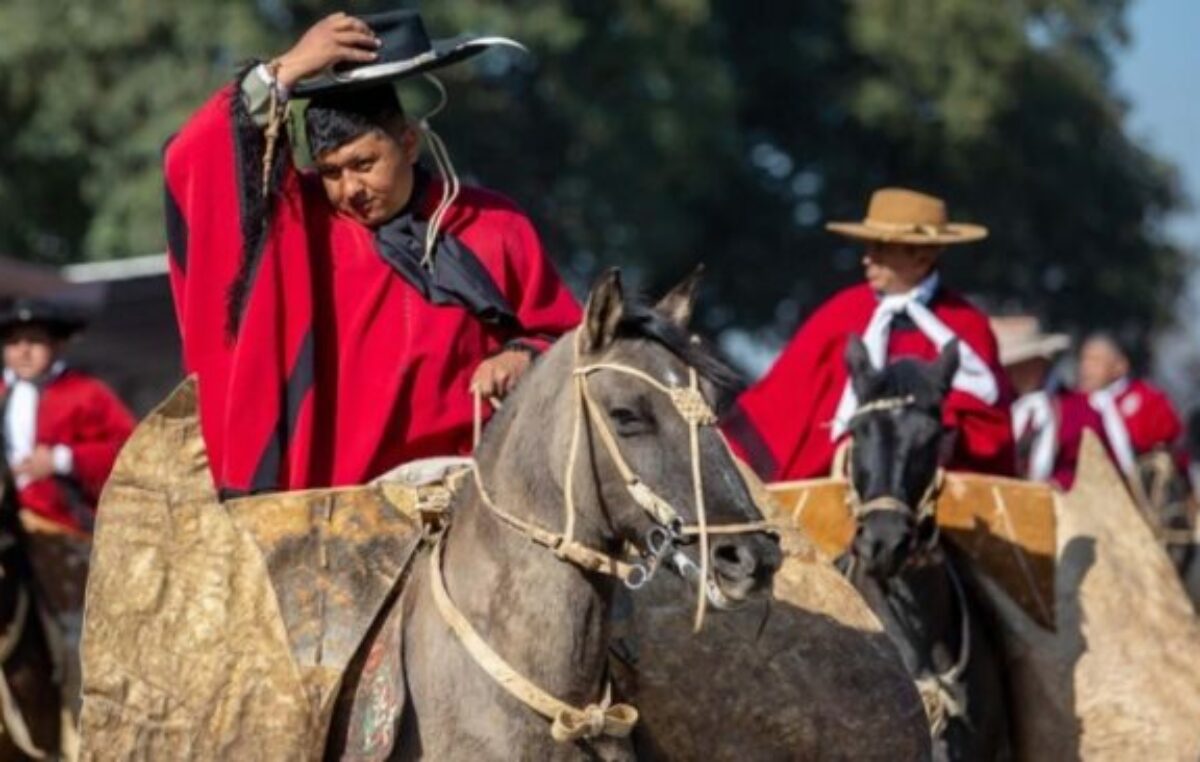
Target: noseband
{"x": 662, "y": 541}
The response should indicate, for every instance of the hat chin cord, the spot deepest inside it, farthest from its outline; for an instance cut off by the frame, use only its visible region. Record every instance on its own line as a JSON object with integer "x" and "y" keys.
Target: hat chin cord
{"x": 445, "y": 169}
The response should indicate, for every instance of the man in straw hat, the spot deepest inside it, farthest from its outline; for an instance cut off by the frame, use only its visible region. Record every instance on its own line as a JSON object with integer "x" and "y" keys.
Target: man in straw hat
{"x": 62, "y": 427}
{"x": 338, "y": 320}
{"x": 790, "y": 423}
{"x": 1048, "y": 418}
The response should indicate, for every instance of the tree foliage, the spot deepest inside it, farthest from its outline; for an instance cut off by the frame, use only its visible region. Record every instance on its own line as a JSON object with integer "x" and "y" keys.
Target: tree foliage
{"x": 655, "y": 135}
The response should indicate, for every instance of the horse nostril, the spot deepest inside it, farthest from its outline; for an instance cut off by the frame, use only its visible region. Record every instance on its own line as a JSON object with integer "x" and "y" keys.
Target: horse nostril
{"x": 733, "y": 559}
{"x": 729, "y": 553}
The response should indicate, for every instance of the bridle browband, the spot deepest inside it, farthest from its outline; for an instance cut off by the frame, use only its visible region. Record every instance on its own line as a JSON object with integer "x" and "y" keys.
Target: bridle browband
{"x": 662, "y": 543}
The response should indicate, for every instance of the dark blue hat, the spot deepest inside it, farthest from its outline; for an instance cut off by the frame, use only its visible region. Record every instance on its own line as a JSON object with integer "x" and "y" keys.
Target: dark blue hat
{"x": 60, "y": 321}
{"x": 406, "y": 51}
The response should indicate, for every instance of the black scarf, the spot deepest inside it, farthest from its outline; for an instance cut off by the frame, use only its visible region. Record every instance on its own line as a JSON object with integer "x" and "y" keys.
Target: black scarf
{"x": 456, "y": 276}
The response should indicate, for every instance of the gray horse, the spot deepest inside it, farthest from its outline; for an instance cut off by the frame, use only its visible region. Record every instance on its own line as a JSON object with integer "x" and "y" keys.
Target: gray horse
{"x": 546, "y": 617}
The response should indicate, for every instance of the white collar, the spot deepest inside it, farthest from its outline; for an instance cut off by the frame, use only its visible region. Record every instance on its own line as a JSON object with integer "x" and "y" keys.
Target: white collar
{"x": 56, "y": 370}
{"x": 1116, "y": 388}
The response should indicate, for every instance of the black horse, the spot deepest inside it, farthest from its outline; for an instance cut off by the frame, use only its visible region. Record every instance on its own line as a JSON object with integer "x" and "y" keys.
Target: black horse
{"x": 30, "y": 707}
{"x": 898, "y": 564}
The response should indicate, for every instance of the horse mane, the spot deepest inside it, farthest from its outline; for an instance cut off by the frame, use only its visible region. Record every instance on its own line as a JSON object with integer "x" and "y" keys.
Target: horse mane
{"x": 640, "y": 320}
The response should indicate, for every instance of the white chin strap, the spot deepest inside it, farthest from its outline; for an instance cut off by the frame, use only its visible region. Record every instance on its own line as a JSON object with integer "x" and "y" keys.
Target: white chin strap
{"x": 445, "y": 169}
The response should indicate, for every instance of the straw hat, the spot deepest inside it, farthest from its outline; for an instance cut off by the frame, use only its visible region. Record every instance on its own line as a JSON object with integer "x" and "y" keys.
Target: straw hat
{"x": 1020, "y": 338}
{"x": 897, "y": 215}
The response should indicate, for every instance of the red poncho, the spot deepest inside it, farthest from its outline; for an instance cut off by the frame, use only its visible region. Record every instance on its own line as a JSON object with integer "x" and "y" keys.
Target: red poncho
{"x": 1149, "y": 417}
{"x": 782, "y": 424}
{"x": 82, "y": 413}
{"x": 339, "y": 369}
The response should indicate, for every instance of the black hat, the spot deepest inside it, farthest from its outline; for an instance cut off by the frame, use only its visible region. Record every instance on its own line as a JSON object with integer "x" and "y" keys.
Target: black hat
{"x": 60, "y": 321}
{"x": 406, "y": 51}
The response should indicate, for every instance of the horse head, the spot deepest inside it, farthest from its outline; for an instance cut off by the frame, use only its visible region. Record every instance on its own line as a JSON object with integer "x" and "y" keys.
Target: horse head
{"x": 671, "y": 488}
{"x": 897, "y": 440}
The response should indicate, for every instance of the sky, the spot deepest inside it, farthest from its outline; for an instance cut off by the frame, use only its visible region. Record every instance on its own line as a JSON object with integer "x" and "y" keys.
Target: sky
{"x": 1160, "y": 75}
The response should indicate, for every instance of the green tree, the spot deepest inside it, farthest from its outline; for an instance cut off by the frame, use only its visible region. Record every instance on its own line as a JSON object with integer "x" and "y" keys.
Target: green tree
{"x": 655, "y": 135}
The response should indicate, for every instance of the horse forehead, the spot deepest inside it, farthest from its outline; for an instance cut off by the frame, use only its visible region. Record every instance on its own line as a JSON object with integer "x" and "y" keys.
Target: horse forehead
{"x": 651, "y": 359}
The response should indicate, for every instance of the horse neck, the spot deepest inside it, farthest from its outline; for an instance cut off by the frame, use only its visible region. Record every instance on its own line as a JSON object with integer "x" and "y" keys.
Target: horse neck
{"x": 545, "y": 616}
{"x": 920, "y": 611}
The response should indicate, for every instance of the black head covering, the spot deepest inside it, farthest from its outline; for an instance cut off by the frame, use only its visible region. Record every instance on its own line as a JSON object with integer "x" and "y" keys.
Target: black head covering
{"x": 62, "y": 322}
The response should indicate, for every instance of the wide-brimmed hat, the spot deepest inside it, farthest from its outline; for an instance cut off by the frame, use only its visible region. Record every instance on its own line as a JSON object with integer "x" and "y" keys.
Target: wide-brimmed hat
{"x": 405, "y": 51}
{"x": 1020, "y": 338}
{"x": 62, "y": 322}
{"x": 897, "y": 215}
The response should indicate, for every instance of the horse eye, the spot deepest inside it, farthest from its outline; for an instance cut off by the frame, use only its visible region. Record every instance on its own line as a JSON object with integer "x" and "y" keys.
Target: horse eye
{"x": 630, "y": 423}
{"x": 623, "y": 416}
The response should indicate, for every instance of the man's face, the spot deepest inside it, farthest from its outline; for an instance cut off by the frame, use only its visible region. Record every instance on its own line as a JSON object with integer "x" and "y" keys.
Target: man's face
{"x": 370, "y": 178}
{"x": 892, "y": 268}
{"x": 1100, "y": 364}
{"x": 1029, "y": 375}
{"x": 30, "y": 350}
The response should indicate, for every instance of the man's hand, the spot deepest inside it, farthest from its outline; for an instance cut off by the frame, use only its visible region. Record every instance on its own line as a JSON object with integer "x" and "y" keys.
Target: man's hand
{"x": 333, "y": 40}
{"x": 497, "y": 376}
{"x": 39, "y": 465}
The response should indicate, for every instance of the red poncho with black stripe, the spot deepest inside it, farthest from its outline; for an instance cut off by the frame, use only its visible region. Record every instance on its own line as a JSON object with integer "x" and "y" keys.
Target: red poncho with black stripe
{"x": 338, "y": 368}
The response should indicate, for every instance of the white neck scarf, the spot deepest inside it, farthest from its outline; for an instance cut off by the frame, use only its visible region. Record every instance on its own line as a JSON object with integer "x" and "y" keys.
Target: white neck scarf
{"x": 1034, "y": 413}
{"x": 20, "y": 415}
{"x": 1104, "y": 402}
{"x": 973, "y": 376}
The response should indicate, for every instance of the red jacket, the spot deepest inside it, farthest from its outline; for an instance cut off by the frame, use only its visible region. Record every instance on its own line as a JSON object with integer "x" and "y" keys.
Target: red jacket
{"x": 782, "y": 424}
{"x": 340, "y": 369}
{"x": 82, "y": 413}
{"x": 1149, "y": 417}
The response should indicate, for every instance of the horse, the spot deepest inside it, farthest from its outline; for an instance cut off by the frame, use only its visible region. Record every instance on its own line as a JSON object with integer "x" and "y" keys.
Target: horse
{"x": 1166, "y": 499}
{"x": 30, "y": 705}
{"x": 910, "y": 579}
{"x": 607, "y": 443}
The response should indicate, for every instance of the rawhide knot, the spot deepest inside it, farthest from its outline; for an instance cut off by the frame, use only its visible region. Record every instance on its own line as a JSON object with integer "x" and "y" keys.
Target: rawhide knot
{"x": 692, "y": 406}
{"x": 940, "y": 704}
{"x": 593, "y": 721}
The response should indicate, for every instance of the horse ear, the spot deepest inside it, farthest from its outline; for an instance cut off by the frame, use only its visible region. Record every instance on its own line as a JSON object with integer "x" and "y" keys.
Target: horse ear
{"x": 605, "y": 306}
{"x": 858, "y": 361}
{"x": 946, "y": 365}
{"x": 677, "y": 304}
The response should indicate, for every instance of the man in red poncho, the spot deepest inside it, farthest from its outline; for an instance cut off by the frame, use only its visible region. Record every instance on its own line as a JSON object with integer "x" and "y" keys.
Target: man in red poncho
{"x": 339, "y": 320}
{"x": 1048, "y": 418}
{"x": 62, "y": 431}
{"x": 62, "y": 427}
{"x": 790, "y": 423}
{"x": 1138, "y": 416}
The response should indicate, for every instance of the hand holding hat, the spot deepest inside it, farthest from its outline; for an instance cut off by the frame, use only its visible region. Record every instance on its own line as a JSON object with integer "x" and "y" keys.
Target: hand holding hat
{"x": 334, "y": 40}
{"x": 346, "y": 53}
